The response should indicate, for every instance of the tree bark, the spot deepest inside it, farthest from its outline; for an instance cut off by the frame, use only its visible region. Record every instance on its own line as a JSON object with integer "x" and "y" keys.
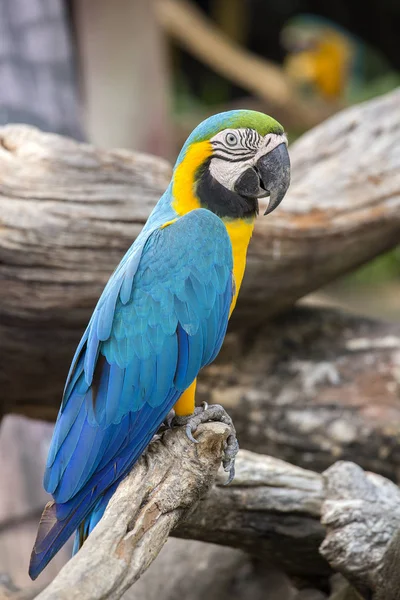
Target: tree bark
{"x": 307, "y": 524}
{"x": 271, "y": 510}
{"x": 281, "y": 513}
{"x": 164, "y": 484}
{"x": 311, "y": 387}
{"x": 341, "y": 210}
{"x": 69, "y": 211}
{"x": 361, "y": 513}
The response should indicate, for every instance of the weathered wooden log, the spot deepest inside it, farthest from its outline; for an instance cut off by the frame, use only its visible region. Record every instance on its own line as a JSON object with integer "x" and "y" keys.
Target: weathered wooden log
{"x": 272, "y": 511}
{"x": 194, "y": 571}
{"x": 341, "y": 209}
{"x": 165, "y": 483}
{"x": 361, "y": 513}
{"x": 184, "y": 568}
{"x": 312, "y": 387}
{"x": 69, "y": 211}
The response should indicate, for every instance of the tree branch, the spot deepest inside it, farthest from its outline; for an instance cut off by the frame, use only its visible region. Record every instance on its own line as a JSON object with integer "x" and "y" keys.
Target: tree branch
{"x": 361, "y": 513}
{"x": 311, "y": 387}
{"x": 272, "y": 511}
{"x": 165, "y": 483}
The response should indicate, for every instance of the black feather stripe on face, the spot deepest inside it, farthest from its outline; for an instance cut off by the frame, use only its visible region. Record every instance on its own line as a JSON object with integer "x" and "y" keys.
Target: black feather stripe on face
{"x": 239, "y": 157}
{"x": 221, "y": 201}
{"x": 248, "y": 143}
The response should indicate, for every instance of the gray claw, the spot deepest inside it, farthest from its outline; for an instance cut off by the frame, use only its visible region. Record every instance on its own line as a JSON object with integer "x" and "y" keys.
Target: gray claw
{"x": 190, "y": 435}
{"x": 206, "y": 413}
{"x": 167, "y": 423}
{"x": 232, "y": 448}
{"x": 231, "y": 469}
{"x": 169, "y": 418}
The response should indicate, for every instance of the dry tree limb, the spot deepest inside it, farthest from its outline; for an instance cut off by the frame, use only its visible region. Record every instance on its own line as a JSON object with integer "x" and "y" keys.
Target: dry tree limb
{"x": 166, "y": 482}
{"x": 186, "y": 24}
{"x": 272, "y": 511}
{"x": 311, "y": 387}
{"x": 361, "y": 513}
{"x": 69, "y": 211}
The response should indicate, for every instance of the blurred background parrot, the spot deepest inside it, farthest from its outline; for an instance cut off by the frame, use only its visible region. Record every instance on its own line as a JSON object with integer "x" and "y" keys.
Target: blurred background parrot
{"x": 321, "y": 55}
{"x": 326, "y": 60}
{"x": 161, "y": 318}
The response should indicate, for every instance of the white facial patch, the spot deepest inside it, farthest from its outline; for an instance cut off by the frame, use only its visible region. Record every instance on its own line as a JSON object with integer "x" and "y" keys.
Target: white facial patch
{"x": 235, "y": 150}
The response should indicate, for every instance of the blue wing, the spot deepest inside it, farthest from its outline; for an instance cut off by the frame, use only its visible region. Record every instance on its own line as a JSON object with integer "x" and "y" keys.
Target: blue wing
{"x": 160, "y": 319}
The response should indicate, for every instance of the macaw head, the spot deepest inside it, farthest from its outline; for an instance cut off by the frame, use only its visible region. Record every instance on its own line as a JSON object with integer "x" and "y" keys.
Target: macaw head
{"x": 230, "y": 161}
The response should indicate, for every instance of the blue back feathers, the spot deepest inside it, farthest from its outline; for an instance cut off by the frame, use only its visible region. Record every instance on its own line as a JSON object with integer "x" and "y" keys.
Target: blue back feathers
{"x": 161, "y": 318}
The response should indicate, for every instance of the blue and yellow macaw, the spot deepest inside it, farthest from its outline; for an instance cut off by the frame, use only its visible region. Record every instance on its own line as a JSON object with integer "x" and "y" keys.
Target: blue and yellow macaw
{"x": 160, "y": 319}
{"x": 320, "y": 54}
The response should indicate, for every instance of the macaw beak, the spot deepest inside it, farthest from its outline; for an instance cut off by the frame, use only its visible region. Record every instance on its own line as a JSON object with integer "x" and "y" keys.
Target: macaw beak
{"x": 274, "y": 172}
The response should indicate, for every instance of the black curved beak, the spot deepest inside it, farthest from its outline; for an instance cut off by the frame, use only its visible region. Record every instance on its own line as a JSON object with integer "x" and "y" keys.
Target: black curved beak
{"x": 274, "y": 172}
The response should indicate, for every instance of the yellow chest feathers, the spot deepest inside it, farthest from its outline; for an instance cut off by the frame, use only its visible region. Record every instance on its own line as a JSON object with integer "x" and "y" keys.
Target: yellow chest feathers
{"x": 240, "y": 233}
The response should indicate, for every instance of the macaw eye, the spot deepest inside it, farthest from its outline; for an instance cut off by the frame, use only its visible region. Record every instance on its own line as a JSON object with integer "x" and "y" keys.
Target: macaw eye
{"x": 231, "y": 139}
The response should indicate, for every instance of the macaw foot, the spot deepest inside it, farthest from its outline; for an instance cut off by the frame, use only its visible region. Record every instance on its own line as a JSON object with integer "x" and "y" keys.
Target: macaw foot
{"x": 168, "y": 421}
{"x": 204, "y": 414}
{"x": 166, "y": 424}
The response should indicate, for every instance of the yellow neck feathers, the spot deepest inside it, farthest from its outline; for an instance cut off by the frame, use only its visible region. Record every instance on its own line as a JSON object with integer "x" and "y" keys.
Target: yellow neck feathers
{"x": 184, "y": 200}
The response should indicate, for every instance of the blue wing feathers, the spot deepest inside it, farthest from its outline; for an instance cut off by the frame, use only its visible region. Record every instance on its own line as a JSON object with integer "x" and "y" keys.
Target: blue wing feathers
{"x": 63, "y": 454}
{"x": 114, "y": 389}
{"x": 78, "y": 469}
{"x": 91, "y": 353}
{"x": 65, "y": 421}
{"x": 76, "y": 367}
{"x": 160, "y": 319}
{"x": 166, "y": 366}
{"x": 183, "y": 360}
{"x": 195, "y": 355}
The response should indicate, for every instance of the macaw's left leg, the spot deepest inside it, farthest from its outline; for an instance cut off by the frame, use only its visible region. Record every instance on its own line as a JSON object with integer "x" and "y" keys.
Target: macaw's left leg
{"x": 186, "y": 403}
{"x": 183, "y": 408}
{"x": 187, "y": 415}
